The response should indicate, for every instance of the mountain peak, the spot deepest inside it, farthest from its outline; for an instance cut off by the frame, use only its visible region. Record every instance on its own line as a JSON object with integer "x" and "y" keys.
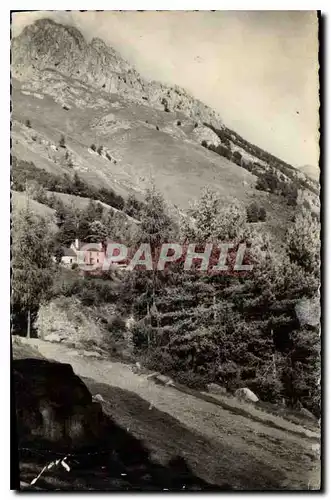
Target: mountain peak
{"x": 47, "y": 45}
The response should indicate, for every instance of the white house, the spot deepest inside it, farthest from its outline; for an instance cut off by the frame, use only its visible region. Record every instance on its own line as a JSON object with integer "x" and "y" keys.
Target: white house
{"x": 69, "y": 257}
{"x": 90, "y": 253}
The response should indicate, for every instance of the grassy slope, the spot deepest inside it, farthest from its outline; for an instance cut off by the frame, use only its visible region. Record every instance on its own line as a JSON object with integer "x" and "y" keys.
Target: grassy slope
{"x": 20, "y": 202}
{"x": 168, "y": 156}
{"x": 81, "y": 203}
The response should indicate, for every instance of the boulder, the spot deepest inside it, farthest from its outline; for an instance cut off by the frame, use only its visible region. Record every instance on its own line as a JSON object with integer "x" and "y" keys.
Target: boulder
{"x": 91, "y": 354}
{"x": 308, "y": 311}
{"x": 216, "y": 389}
{"x": 54, "y": 337}
{"x": 163, "y": 379}
{"x": 98, "y": 397}
{"x": 54, "y": 406}
{"x": 246, "y": 394}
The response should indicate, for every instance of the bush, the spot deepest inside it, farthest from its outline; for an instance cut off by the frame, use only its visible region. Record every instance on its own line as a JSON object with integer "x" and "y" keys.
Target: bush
{"x": 228, "y": 375}
{"x": 179, "y": 123}
{"x": 269, "y": 181}
{"x": 141, "y": 336}
{"x": 262, "y": 214}
{"x": 290, "y": 192}
{"x": 191, "y": 379}
{"x": 223, "y": 151}
{"x": 247, "y": 165}
{"x": 108, "y": 156}
{"x": 164, "y": 102}
{"x": 236, "y": 158}
{"x": 28, "y": 123}
{"x": 262, "y": 184}
{"x": 159, "y": 359}
{"x": 204, "y": 144}
{"x": 93, "y": 147}
{"x": 255, "y": 213}
{"x": 116, "y": 329}
{"x": 266, "y": 388}
{"x": 100, "y": 149}
{"x": 62, "y": 142}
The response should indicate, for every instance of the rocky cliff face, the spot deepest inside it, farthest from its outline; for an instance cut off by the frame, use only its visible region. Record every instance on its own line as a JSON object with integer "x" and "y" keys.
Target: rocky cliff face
{"x": 47, "y": 46}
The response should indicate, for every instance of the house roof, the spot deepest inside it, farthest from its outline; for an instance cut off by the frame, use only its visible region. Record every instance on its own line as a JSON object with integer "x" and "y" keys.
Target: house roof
{"x": 68, "y": 252}
{"x": 93, "y": 246}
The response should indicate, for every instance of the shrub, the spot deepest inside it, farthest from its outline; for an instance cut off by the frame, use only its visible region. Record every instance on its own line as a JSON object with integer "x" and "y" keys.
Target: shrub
{"x": 191, "y": 379}
{"x": 115, "y": 333}
{"x": 100, "y": 149}
{"x": 290, "y": 192}
{"x": 252, "y": 212}
{"x": 141, "y": 335}
{"x": 267, "y": 388}
{"x": 93, "y": 147}
{"x": 228, "y": 375}
{"x": 179, "y": 123}
{"x": 262, "y": 184}
{"x": 28, "y": 123}
{"x": 159, "y": 359}
{"x": 108, "y": 156}
{"x": 247, "y": 165}
{"x": 262, "y": 214}
{"x": 255, "y": 213}
{"x": 164, "y": 102}
{"x": 62, "y": 142}
{"x": 236, "y": 158}
{"x": 223, "y": 151}
{"x": 204, "y": 144}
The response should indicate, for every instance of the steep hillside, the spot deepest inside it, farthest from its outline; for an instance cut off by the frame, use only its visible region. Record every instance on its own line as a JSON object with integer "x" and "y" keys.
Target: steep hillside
{"x": 179, "y": 166}
{"x": 19, "y": 202}
{"x": 121, "y": 131}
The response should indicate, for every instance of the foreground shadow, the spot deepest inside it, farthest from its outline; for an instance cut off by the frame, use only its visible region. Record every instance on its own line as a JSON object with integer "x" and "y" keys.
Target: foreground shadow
{"x": 56, "y": 417}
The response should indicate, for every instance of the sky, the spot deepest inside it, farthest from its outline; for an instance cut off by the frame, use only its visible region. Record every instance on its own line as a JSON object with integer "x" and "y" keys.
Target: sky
{"x": 258, "y": 69}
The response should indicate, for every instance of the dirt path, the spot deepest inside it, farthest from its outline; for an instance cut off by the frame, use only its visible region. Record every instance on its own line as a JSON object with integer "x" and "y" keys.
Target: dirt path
{"x": 219, "y": 445}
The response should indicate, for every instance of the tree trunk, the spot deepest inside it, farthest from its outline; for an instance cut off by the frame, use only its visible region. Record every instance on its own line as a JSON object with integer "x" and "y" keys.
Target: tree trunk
{"x": 28, "y": 333}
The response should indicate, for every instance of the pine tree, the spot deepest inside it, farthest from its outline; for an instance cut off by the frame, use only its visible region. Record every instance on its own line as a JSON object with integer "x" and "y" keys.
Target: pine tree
{"x": 32, "y": 268}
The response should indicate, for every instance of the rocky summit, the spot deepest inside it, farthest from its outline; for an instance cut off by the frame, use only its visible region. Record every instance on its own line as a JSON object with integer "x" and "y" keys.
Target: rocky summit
{"x": 47, "y": 46}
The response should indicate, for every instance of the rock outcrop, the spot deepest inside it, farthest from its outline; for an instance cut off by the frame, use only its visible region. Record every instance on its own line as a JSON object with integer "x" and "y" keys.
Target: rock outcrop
{"x": 47, "y": 50}
{"x": 246, "y": 394}
{"x": 54, "y": 407}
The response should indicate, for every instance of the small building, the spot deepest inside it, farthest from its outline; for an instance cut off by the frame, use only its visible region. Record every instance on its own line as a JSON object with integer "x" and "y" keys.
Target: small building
{"x": 68, "y": 257}
{"x": 91, "y": 253}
